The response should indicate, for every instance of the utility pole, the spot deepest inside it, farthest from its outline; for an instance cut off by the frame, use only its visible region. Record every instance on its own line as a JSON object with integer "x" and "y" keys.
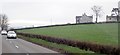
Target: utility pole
{"x": 119, "y": 9}
{"x": 0, "y": 21}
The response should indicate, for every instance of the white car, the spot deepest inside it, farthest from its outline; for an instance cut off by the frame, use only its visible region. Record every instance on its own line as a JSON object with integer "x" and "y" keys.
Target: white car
{"x": 4, "y": 32}
{"x": 11, "y": 34}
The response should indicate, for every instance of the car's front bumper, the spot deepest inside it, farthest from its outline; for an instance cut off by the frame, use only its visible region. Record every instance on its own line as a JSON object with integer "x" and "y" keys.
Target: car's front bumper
{"x": 11, "y": 37}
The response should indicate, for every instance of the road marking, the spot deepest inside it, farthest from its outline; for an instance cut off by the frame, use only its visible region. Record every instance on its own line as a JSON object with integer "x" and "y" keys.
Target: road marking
{"x": 16, "y": 46}
{"x": 6, "y": 39}
{"x": 27, "y": 54}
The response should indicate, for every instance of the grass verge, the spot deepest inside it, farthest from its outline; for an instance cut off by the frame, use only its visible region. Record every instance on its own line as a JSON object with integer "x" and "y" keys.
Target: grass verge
{"x": 58, "y": 47}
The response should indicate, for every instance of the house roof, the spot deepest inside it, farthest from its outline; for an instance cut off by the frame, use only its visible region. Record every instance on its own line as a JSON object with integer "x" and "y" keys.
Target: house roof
{"x": 84, "y": 15}
{"x": 78, "y": 16}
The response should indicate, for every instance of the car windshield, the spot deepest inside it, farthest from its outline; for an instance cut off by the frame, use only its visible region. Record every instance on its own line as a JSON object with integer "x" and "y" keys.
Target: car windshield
{"x": 11, "y": 32}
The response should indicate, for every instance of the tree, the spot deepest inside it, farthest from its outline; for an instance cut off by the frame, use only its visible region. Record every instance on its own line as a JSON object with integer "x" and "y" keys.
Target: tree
{"x": 116, "y": 13}
{"x": 3, "y": 22}
{"x": 97, "y": 10}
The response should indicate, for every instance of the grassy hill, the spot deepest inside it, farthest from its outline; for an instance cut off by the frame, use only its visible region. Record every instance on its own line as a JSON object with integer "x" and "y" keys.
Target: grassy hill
{"x": 106, "y": 34}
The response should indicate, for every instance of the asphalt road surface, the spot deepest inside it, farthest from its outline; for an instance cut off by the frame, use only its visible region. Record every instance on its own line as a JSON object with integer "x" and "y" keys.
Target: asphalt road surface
{"x": 21, "y": 46}
{"x": 0, "y": 45}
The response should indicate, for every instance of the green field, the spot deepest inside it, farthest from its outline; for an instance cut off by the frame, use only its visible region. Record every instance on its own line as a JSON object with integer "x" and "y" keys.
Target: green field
{"x": 106, "y": 34}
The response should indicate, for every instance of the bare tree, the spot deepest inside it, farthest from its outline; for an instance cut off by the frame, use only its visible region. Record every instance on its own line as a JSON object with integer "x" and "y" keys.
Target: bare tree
{"x": 97, "y": 10}
{"x": 3, "y": 21}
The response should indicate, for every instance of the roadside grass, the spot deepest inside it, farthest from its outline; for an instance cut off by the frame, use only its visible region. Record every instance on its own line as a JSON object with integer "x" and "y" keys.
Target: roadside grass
{"x": 69, "y": 49}
{"x": 105, "y": 34}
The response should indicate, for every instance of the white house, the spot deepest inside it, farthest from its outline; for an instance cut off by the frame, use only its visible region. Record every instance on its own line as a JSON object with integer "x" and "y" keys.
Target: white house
{"x": 111, "y": 18}
{"x": 84, "y": 19}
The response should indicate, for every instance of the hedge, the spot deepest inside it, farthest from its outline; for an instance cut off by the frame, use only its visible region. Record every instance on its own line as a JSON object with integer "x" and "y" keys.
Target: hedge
{"x": 103, "y": 49}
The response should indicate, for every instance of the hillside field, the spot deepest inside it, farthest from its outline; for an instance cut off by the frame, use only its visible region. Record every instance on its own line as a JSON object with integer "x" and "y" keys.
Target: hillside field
{"x": 105, "y": 34}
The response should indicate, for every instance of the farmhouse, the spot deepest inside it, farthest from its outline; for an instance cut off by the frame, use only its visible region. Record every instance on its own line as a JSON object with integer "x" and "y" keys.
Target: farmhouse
{"x": 111, "y": 18}
{"x": 84, "y": 19}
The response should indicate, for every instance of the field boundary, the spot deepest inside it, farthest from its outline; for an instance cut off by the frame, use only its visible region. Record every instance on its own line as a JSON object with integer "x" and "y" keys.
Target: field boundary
{"x": 97, "y": 48}
{"x": 65, "y": 25}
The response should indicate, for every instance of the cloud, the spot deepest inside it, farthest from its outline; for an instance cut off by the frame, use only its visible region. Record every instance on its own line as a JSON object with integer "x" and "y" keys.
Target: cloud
{"x": 40, "y": 12}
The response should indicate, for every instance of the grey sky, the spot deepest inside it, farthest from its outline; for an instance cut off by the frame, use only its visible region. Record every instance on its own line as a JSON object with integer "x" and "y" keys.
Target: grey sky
{"x": 47, "y": 12}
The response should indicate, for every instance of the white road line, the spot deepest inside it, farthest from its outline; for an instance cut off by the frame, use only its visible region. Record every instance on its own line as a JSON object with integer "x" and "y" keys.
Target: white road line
{"x": 10, "y": 40}
{"x": 16, "y": 46}
{"x": 27, "y": 54}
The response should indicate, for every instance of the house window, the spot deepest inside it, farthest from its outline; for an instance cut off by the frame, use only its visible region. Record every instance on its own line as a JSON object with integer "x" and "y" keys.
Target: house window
{"x": 77, "y": 20}
{"x": 110, "y": 18}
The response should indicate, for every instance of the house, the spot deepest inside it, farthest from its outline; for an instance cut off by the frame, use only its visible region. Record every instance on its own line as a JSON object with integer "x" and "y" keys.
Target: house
{"x": 111, "y": 18}
{"x": 84, "y": 19}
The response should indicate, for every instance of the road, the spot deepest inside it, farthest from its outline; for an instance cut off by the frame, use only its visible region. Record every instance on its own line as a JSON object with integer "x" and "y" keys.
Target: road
{"x": 0, "y": 45}
{"x": 22, "y": 46}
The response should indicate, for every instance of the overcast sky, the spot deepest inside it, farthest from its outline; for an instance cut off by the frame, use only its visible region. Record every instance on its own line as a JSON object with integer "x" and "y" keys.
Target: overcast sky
{"x": 47, "y": 12}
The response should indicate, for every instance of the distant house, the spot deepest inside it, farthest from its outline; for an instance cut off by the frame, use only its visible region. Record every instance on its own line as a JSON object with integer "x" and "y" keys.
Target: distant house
{"x": 84, "y": 19}
{"x": 111, "y": 18}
